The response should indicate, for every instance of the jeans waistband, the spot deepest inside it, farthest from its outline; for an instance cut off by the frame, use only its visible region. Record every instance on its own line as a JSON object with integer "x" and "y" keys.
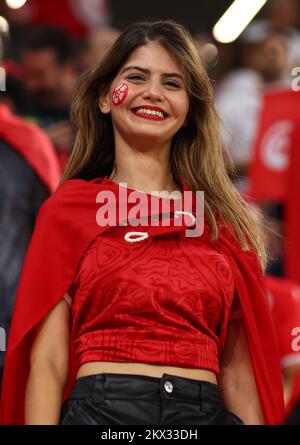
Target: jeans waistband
{"x": 106, "y": 386}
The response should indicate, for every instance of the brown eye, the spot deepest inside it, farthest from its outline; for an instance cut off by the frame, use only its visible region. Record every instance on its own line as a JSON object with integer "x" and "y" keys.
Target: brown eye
{"x": 172, "y": 84}
{"x": 135, "y": 77}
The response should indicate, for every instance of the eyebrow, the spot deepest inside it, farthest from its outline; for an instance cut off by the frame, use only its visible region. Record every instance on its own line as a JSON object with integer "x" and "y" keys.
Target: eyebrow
{"x": 146, "y": 71}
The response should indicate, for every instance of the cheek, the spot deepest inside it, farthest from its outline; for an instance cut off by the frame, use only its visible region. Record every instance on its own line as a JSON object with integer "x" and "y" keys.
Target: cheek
{"x": 182, "y": 107}
{"x": 119, "y": 94}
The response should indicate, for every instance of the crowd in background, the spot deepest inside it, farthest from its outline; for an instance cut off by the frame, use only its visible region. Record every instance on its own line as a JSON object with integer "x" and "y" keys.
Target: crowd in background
{"x": 42, "y": 69}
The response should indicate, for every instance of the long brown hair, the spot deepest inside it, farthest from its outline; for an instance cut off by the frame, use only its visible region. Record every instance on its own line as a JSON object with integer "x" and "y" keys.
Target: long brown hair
{"x": 196, "y": 151}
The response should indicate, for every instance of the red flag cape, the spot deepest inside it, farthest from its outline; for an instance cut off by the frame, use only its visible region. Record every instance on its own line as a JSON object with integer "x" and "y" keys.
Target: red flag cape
{"x": 33, "y": 145}
{"x": 65, "y": 226}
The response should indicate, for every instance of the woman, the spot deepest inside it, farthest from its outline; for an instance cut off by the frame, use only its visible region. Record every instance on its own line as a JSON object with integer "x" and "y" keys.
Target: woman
{"x": 154, "y": 337}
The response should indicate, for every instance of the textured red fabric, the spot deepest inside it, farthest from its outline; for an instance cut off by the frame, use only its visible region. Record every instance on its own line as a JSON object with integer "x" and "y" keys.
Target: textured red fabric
{"x": 163, "y": 301}
{"x": 33, "y": 145}
{"x": 66, "y": 226}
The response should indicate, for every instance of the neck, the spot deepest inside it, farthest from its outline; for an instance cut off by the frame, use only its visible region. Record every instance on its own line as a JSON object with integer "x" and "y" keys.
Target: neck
{"x": 144, "y": 169}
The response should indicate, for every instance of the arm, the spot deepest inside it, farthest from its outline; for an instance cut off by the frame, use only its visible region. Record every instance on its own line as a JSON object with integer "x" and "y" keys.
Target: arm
{"x": 236, "y": 380}
{"x": 289, "y": 376}
{"x": 49, "y": 362}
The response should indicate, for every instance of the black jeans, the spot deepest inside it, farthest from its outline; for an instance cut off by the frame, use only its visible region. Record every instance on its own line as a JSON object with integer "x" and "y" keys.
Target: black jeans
{"x": 128, "y": 399}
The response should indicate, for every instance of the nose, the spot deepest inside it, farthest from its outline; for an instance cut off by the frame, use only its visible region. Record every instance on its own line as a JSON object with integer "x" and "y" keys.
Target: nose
{"x": 153, "y": 91}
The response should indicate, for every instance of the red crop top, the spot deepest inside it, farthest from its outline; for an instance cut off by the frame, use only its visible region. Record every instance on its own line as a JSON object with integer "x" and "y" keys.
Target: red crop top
{"x": 164, "y": 300}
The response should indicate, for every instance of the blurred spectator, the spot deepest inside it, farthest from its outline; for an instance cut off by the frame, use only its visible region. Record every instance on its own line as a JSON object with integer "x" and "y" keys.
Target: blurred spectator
{"x": 207, "y": 49}
{"x": 74, "y": 16}
{"x": 238, "y": 102}
{"x": 271, "y": 60}
{"x": 96, "y": 44}
{"x": 50, "y": 75}
{"x": 264, "y": 66}
{"x": 29, "y": 172}
{"x": 274, "y": 237}
{"x": 15, "y": 95}
{"x": 283, "y": 16}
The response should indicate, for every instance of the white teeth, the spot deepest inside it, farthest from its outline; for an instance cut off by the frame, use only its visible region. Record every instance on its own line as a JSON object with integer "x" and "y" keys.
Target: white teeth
{"x": 149, "y": 112}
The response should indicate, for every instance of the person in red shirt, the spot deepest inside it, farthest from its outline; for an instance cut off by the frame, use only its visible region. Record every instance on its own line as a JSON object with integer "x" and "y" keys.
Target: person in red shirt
{"x": 129, "y": 313}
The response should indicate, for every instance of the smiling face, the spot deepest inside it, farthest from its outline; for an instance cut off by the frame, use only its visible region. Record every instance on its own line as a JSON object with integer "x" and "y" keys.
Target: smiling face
{"x": 155, "y": 104}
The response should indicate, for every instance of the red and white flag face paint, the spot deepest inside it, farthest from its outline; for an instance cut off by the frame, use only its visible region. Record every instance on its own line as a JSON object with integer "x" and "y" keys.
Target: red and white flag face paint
{"x": 119, "y": 94}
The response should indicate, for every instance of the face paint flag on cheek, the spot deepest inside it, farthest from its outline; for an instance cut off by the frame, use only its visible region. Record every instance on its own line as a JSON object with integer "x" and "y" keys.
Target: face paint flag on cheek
{"x": 119, "y": 94}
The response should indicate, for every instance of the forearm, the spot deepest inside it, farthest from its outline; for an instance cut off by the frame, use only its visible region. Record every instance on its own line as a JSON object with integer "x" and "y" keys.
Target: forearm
{"x": 43, "y": 397}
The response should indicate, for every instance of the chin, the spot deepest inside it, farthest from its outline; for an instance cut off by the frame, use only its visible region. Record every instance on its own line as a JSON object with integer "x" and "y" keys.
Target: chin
{"x": 153, "y": 131}
{"x": 151, "y": 136}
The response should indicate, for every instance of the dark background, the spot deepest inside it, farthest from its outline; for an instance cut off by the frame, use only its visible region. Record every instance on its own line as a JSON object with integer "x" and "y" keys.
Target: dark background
{"x": 197, "y": 15}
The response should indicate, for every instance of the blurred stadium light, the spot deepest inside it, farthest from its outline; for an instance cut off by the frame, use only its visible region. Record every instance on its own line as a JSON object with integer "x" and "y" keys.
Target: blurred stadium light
{"x": 4, "y": 27}
{"x": 15, "y": 4}
{"x": 236, "y": 19}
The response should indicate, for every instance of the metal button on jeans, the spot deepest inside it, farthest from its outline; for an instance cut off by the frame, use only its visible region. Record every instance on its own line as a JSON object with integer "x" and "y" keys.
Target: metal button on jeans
{"x": 168, "y": 386}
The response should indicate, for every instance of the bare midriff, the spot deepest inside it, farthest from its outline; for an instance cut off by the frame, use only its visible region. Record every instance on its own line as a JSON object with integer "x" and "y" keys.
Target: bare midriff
{"x": 92, "y": 368}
